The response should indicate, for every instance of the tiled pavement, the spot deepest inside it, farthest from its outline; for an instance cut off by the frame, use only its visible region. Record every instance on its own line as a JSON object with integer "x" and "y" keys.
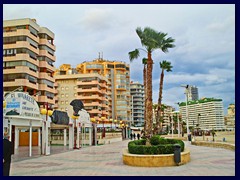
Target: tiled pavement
{"x": 106, "y": 160}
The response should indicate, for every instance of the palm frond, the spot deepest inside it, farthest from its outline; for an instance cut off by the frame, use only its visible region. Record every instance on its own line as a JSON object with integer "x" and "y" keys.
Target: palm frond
{"x": 133, "y": 54}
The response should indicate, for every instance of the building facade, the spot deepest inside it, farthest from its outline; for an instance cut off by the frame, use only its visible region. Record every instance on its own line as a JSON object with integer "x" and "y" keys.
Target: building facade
{"x": 206, "y": 112}
{"x": 118, "y": 74}
{"x": 28, "y": 58}
{"x": 137, "y": 104}
{"x": 229, "y": 119}
{"x": 91, "y": 89}
{"x": 193, "y": 93}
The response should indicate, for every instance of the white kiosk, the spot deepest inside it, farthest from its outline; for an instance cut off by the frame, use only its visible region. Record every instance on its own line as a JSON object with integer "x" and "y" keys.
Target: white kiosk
{"x": 22, "y": 112}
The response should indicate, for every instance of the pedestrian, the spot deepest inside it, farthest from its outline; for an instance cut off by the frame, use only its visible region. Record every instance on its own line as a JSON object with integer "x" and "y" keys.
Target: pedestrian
{"x": 134, "y": 136}
{"x": 7, "y": 153}
{"x": 131, "y": 136}
{"x": 138, "y": 136}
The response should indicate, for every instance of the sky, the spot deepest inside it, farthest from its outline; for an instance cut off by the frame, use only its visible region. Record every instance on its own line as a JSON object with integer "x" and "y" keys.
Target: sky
{"x": 203, "y": 56}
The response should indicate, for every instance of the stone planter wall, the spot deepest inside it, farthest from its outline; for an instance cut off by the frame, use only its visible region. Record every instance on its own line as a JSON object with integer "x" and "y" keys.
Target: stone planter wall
{"x": 154, "y": 160}
{"x": 214, "y": 144}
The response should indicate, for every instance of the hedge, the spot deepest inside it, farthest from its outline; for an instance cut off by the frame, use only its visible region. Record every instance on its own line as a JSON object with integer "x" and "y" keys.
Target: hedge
{"x": 158, "y": 146}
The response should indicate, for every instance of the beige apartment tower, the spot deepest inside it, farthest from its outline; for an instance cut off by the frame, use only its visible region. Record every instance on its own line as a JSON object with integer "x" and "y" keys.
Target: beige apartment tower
{"x": 28, "y": 58}
{"x": 91, "y": 89}
{"x": 112, "y": 74}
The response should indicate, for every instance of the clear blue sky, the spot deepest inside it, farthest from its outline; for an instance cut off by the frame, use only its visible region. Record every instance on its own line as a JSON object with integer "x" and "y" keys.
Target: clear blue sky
{"x": 204, "y": 55}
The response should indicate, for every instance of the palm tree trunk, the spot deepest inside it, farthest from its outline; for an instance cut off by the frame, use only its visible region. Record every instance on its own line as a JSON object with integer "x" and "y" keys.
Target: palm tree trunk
{"x": 160, "y": 101}
{"x": 145, "y": 96}
{"x": 149, "y": 98}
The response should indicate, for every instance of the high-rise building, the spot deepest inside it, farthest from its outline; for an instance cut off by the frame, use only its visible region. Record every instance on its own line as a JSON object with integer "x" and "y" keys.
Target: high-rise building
{"x": 28, "y": 58}
{"x": 230, "y": 117}
{"x": 91, "y": 89}
{"x": 206, "y": 112}
{"x": 118, "y": 75}
{"x": 192, "y": 93}
{"x": 137, "y": 104}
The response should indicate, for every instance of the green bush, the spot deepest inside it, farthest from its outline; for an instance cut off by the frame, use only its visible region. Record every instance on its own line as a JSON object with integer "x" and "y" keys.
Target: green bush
{"x": 158, "y": 146}
{"x": 155, "y": 140}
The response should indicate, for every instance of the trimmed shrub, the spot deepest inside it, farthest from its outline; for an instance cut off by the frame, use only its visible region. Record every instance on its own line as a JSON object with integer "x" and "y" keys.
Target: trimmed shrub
{"x": 158, "y": 146}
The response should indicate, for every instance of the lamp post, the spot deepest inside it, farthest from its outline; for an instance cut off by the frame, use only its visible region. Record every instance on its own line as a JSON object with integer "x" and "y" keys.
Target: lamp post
{"x": 111, "y": 121}
{"x": 93, "y": 120}
{"x": 45, "y": 112}
{"x": 186, "y": 92}
{"x": 75, "y": 130}
{"x": 103, "y": 132}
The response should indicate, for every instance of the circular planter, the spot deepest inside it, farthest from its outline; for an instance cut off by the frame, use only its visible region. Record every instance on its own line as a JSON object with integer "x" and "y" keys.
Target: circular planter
{"x": 161, "y": 160}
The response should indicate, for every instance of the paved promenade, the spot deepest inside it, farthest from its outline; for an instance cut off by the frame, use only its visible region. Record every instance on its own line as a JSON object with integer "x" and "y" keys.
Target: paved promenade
{"x": 106, "y": 160}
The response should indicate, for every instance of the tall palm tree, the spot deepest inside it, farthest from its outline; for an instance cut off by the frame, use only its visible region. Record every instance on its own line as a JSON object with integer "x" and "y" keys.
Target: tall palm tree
{"x": 164, "y": 65}
{"x": 144, "y": 62}
{"x": 151, "y": 40}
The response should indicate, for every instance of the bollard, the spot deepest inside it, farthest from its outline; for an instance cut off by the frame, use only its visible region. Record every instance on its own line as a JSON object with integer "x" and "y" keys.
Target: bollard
{"x": 177, "y": 153}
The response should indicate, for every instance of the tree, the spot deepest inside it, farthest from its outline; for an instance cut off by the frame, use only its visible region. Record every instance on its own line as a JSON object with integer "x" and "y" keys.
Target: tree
{"x": 164, "y": 65}
{"x": 151, "y": 40}
{"x": 144, "y": 62}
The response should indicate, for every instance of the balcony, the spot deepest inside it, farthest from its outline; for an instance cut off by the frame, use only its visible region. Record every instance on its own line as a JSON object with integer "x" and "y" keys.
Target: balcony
{"x": 44, "y": 87}
{"x": 21, "y": 44}
{"x": 44, "y": 64}
{"x": 20, "y": 82}
{"x": 45, "y": 53}
{"x": 21, "y": 57}
{"x": 45, "y": 42}
{"x": 19, "y": 70}
{"x": 45, "y": 99}
{"x": 43, "y": 75}
{"x": 21, "y": 32}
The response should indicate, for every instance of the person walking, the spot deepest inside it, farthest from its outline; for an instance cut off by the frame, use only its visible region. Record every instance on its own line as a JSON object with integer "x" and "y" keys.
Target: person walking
{"x": 7, "y": 154}
{"x": 138, "y": 136}
{"x": 134, "y": 136}
{"x": 131, "y": 136}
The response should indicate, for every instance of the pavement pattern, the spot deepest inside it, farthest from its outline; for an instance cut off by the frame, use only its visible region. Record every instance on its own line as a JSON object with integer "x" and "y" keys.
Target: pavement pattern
{"x": 106, "y": 160}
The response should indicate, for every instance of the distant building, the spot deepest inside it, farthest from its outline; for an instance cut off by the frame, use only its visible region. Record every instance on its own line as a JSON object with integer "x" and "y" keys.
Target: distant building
{"x": 207, "y": 112}
{"x": 91, "y": 89}
{"x": 117, "y": 77}
{"x": 192, "y": 93}
{"x": 229, "y": 119}
{"x": 28, "y": 58}
{"x": 137, "y": 104}
{"x": 118, "y": 74}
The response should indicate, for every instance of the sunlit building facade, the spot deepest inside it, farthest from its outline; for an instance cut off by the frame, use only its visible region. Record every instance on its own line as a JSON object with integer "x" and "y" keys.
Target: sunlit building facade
{"x": 118, "y": 74}
{"x": 91, "y": 89}
{"x": 28, "y": 59}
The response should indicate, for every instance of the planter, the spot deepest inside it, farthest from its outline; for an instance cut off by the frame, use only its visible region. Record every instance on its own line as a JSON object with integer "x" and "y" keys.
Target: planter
{"x": 161, "y": 160}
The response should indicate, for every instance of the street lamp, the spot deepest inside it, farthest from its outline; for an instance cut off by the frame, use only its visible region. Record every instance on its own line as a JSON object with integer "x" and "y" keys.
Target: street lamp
{"x": 46, "y": 112}
{"x": 103, "y": 133}
{"x": 75, "y": 130}
{"x": 186, "y": 92}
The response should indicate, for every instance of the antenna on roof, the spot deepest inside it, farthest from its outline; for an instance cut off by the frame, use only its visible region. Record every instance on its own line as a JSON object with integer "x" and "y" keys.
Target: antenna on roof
{"x": 99, "y": 55}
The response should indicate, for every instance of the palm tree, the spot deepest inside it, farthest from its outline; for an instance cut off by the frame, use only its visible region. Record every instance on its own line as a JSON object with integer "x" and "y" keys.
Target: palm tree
{"x": 164, "y": 65}
{"x": 151, "y": 40}
{"x": 144, "y": 62}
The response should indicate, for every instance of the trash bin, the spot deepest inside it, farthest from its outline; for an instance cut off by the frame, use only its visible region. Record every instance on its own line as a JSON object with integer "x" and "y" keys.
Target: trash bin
{"x": 177, "y": 153}
{"x": 189, "y": 137}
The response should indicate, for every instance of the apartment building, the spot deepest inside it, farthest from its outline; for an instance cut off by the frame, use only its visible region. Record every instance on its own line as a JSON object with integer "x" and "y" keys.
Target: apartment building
{"x": 206, "y": 112}
{"x": 118, "y": 74}
{"x": 137, "y": 104}
{"x": 91, "y": 89}
{"x": 28, "y": 58}
{"x": 193, "y": 93}
{"x": 229, "y": 119}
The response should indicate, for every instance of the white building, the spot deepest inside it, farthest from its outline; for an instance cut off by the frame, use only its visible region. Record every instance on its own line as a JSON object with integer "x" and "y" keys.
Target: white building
{"x": 137, "y": 103}
{"x": 207, "y": 112}
{"x": 192, "y": 93}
